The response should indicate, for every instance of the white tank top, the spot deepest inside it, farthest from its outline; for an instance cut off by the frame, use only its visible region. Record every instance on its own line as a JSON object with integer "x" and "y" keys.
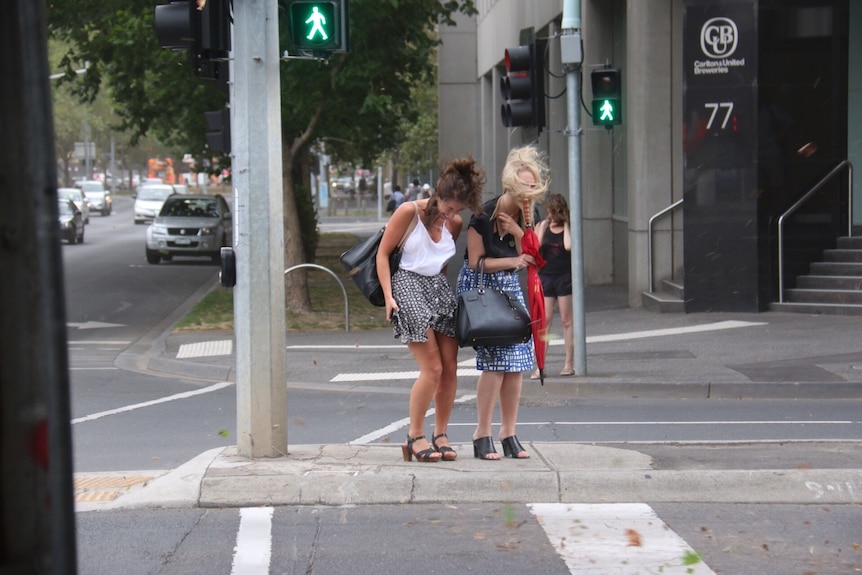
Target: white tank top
{"x": 424, "y": 256}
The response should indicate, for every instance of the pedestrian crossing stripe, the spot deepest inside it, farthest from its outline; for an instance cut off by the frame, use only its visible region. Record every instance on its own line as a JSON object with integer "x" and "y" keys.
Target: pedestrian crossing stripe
{"x": 616, "y": 539}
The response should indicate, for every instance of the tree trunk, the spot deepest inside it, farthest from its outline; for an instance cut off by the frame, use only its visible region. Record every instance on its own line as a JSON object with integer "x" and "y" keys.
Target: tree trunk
{"x": 296, "y": 282}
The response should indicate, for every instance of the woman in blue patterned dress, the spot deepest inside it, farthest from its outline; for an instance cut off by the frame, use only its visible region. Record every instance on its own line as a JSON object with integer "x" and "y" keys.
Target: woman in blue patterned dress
{"x": 420, "y": 302}
{"x": 495, "y": 236}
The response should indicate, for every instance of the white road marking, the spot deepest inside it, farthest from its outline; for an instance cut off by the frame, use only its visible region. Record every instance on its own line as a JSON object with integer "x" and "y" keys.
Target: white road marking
{"x": 616, "y": 539}
{"x": 253, "y": 549}
{"x": 717, "y": 326}
{"x": 99, "y": 342}
{"x": 401, "y": 423}
{"x": 205, "y": 349}
{"x": 721, "y": 422}
{"x": 184, "y": 395}
{"x": 93, "y": 325}
{"x": 391, "y": 375}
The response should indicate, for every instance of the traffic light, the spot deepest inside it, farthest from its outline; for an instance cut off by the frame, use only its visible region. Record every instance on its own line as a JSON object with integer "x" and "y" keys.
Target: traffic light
{"x": 317, "y": 26}
{"x": 200, "y": 26}
{"x": 218, "y": 130}
{"x": 523, "y": 86}
{"x": 607, "y": 97}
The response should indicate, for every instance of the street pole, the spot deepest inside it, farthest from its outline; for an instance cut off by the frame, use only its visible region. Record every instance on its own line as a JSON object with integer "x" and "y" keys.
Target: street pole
{"x": 37, "y": 521}
{"x": 259, "y": 323}
{"x": 572, "y": 58}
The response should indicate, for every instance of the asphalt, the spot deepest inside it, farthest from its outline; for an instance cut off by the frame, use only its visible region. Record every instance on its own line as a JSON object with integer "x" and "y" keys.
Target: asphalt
{"x": 630, "y": 353}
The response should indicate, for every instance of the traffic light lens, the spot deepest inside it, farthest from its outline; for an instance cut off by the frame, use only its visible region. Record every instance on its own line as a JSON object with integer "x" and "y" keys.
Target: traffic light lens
{"x": 607, "y": 97}
{"x": 313, "y": 25}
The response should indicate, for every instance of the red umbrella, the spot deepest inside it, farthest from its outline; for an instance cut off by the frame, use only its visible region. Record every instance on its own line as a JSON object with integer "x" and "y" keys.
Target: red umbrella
{"x": 535, "y": 293}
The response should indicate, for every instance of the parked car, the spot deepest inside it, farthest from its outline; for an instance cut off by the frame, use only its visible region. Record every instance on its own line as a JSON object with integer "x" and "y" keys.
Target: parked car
{"x": 77, "y": 196}
{"x": 190, "y": 225}
{"x": 71, "y": 222}
{"x": 148, "y": 201}
{"x": 97, "y": 196}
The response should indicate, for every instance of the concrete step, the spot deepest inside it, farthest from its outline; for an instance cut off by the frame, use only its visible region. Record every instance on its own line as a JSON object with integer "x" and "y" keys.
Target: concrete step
{"x": 850, "y": 243}
{"x": 842, "y": 255}
{"x": 817, "y": 308}
{"x": 836, "y": 268}
{"x": 829, "y": 282}
{"x": 662, "y": 302}
{"x": 828, "y": 296}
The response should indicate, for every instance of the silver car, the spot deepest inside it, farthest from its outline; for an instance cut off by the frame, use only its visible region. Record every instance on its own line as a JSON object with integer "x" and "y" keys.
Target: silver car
{"x": 77, "y": 196}
{"x": 97, "y": 196}
{"x": 190, "y": 225}
{"x": 149, "y": 199}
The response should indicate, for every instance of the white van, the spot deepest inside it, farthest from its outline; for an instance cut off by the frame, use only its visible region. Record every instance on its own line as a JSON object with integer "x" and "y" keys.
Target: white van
{"x": 148, "y": 201}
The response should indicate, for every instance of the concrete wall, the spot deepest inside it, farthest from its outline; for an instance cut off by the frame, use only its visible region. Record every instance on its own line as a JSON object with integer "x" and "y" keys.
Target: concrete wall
{"x": 627, "y": 174}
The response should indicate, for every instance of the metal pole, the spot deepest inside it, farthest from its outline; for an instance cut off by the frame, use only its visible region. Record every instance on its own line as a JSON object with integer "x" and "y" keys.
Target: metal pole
{"x": 572, "y": 59}
{"x": 261, "y": 382}
{"x": 38, "y": 518}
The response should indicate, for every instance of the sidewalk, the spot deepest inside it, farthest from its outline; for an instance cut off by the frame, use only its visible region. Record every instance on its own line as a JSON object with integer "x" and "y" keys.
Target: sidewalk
{"x": 631, "y": 353}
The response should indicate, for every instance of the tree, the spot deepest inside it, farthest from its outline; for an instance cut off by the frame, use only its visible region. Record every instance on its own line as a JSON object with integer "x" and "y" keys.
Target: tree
{"x": 356, "y": 102}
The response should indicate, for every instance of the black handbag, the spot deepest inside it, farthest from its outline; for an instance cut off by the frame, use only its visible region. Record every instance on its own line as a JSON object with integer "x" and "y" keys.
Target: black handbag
{"x": 360, "y": 261}
{"x": 490, "y": 316}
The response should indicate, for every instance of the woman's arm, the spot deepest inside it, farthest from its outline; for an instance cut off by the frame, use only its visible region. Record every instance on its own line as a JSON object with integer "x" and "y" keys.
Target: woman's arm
{"x": 395, "y": 229}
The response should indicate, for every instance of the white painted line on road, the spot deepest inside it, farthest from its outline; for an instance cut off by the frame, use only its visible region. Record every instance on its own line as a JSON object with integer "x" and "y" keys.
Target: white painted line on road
{"x": 717, "y": 326}
{"x": 99, "y": 342}
{"x": 205, "y": 349}
{"x": 184, "y": 395}
{"x": 93, "y": 368}
{"x": 730, "y": 324}
{"x": 604, "y": 539}
{"x": 93, "y": 325}
{"x": 400, "y": 424}
{"x": 253, "y": 550}
{"x": 722, "y": 422}
{"x": 392, "y": 375}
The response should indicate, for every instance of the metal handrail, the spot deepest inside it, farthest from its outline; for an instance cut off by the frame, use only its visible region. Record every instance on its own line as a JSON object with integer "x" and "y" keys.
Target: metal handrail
{"x": 338, "y": 279}
{"x": 802, "y": 200}
{"x": 649, "y": 237}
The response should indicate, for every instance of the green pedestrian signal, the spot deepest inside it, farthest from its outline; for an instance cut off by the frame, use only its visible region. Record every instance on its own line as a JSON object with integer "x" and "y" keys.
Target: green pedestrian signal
{"x": 607, "y": 97}
{"x": 316, "y": 26}
{"x": 606, "y": 112}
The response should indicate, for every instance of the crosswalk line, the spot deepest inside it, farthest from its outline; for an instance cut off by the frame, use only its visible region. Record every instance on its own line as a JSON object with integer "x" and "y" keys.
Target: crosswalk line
{"x": 616, "y": 539}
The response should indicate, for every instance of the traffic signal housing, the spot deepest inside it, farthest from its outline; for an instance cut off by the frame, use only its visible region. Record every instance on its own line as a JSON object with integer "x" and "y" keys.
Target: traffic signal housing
{"x": 523, "y": 86}
{"x": 317, "y": 27}
{"x": 204, "y": 31}
{"x": 218, "y": 130}
{"x": 607, "y": 97}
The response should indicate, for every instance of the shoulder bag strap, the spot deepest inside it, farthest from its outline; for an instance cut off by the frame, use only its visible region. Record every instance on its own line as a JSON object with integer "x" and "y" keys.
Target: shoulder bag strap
{"x": 410, "y": 227}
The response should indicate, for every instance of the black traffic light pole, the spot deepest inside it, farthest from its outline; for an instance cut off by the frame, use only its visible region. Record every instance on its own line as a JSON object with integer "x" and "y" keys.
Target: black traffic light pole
{"x": 37, "y": 519}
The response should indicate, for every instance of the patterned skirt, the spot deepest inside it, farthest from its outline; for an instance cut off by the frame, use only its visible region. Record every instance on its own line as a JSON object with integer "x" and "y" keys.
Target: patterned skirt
{"x": 423, "y": 302}
{"x": 508, "y": 358}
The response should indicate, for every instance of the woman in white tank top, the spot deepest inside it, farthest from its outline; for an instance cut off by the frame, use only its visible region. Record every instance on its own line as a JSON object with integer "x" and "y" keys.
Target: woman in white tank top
{"x": 420, "y": 302}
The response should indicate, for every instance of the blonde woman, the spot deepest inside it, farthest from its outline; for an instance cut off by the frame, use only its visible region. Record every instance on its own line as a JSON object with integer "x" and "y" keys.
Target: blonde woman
{"x": 495, "y": 236}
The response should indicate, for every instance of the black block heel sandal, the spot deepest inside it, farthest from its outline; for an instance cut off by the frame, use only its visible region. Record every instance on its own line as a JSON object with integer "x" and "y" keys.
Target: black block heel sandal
{"x": 446, "y": 452}
{"x": 483, "y": 447}
{"x": 513, "y": 448}
{"x": 425, "y": 456}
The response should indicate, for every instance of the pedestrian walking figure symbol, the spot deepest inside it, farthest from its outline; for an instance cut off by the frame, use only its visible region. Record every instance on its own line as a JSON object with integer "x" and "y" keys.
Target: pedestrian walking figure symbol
{"x": 317, "y": 20}
{"x": 607, "y": 112}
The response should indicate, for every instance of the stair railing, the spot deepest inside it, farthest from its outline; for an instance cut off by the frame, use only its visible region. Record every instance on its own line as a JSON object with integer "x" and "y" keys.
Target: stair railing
{"x": 837, "y": 169}
{"x": 649, "y": 237}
